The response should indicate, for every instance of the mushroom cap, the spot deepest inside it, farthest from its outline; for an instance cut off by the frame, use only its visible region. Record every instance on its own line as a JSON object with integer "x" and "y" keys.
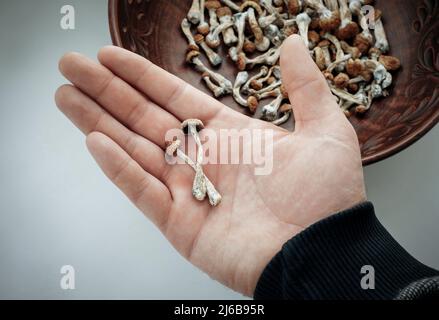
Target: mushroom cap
{"x": 294, "y": 6}
{"x": 192, "y": 122}
{"x": 249, "y": 46}
{"x": 198, "y": 38}
{"x": 349, "y": 31}
{"x": 252, "y": 103}
{"x": 203, "y": 28}
{"x": 353, "y": 88}
{"x": 224, "y": 11}
{"x": 212, "y": 4}
{"x": 241, "y": 63}
{"x": 330, "y": 23}
{"x": 172, "y": 146}
{"x": 256, "y": 84}
{"x": 354, "y": 67}
{"x": 341, "y": 80}
{"x": 390, "y": 63}
{"x": 313, "y": 36}
{"x": 362, "y": 42}
{"x": 191, "y": 55}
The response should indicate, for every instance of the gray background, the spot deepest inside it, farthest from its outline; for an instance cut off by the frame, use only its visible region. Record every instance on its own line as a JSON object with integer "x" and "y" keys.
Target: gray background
{"x": 57, "y": 208}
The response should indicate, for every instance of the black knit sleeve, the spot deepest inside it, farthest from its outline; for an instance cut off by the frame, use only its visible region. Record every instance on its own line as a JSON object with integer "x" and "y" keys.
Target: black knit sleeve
{"x": 349, "y": 255}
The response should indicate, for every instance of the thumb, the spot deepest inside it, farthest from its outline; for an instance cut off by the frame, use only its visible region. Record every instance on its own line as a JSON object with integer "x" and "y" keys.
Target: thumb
{"x": 307, "y": 88}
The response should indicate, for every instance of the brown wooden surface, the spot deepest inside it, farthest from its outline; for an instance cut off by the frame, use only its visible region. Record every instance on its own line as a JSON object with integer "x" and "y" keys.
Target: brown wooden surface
{"x": 152, "y": 28}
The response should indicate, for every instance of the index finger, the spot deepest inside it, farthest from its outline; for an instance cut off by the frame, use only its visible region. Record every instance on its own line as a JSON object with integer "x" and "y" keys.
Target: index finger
{"x": 164, "y": 88}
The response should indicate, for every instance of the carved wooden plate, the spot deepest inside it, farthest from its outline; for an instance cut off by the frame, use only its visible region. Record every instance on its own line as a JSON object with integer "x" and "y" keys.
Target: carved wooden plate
{"x": 151, "y": 28}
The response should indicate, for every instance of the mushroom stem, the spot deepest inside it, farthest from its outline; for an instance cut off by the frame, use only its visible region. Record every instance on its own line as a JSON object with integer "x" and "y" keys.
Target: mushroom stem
{"x": 214, "y": 58}
{"x": 194, "y": 13}
{"x": 269, "y": 58}
{"x": 212, "y": 193}
{"x": 262, "y": 73}
{"x": 199, "y": 188}
{"x": 334, "y": 64}
{"x": 270, "y": 111}
{"x": 286, "y": 111}
{"x": 217, "y": 91}
{"x": 218, "y": 78}
{"x": 380, "y": 35}
{"x": 213, "y": 39}
{"x": 240, "y": 28}
{"x": 303, "y": 20}
{"x": 262, "y": 42}
{"x": 268, "y": 94}
{"x": 271, "y": 87}
{"x": 231, "y": 5}
{"x": 203, "y": 26}
{"x": 268, "y": 4}
{"x": 331, "y": 4}
{"x": 185, "y": 27}
{"x": 241, "y": 79}
{"x": 212, "y": 6}
{"x": 225, "y": 17}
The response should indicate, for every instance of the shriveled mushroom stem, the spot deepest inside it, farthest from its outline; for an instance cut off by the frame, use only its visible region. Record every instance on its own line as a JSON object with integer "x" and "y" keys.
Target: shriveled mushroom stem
{"x": 268, "y": 4}
{"x": 270, "y": 111}
{"x": 331, "y": 4}
{"x": 214, "y": 196}
{"x": 194, "y": 13}
{"x": 240, "y": 27}
{"x": 271, "y": 87}
{"x": 214, "y": 58}
{"x": 262, "y": 42}
{"x": 218, "y": 78}
{"x": 269, "y": 58}
{"x": 213, "y": 39}
{"x": 303, "y": 20}
{"x": 268, "y": 94}
{"x": 241, "y": 78}
{"x": 203, "y": 26}
{"x": 186, "y": 28}
{"x": 334, "y": 64}
{"x": 274, "y": 35}
{"x": 380, "y": 35}
{"x": 346, "y": 96}
{"x": 212, "y": 6}
{"x": 262, "y": 73}
{"x": 216, "y": 90}
{"x": 228, "y": 33}
{"x": 199, "y": 188}
{"x": 231, "y": 5}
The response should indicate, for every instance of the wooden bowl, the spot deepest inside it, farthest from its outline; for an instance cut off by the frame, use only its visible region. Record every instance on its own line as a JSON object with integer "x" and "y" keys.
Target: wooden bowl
{"x": 151, "y": 28}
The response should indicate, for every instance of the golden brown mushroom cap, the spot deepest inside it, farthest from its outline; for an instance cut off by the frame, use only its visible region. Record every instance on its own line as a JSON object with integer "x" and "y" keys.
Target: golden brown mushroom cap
{"x": 192, "y": 122}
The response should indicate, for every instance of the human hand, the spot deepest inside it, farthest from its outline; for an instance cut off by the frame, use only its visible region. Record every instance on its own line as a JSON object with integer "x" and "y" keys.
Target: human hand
{"x": 125, "y": 105}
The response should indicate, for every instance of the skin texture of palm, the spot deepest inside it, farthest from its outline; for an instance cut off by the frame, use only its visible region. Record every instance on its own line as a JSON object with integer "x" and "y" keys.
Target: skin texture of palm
{"x": 317, "y": 169}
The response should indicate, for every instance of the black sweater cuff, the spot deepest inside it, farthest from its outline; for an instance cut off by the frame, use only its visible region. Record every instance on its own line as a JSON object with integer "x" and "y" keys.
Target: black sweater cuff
{"x": 325, "y": 261}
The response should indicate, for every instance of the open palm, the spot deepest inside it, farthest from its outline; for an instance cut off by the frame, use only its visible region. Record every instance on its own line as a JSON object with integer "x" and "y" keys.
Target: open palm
{"x": 125, "y": 105}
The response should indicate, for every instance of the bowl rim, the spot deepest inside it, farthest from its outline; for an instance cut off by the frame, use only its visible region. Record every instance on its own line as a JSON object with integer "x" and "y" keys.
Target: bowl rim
{"x": 113, "y": 13}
